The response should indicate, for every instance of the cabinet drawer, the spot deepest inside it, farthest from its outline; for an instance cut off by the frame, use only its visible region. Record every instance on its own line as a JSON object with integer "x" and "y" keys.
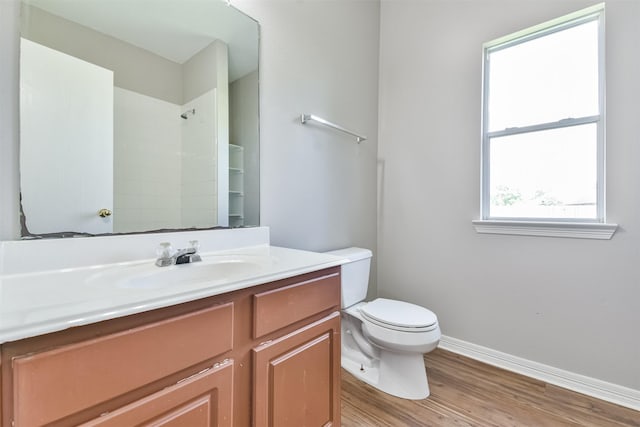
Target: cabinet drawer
{"x": 203, "y": 400}
{"x": 282, "y": 307}
{"x": 56, "y": 383}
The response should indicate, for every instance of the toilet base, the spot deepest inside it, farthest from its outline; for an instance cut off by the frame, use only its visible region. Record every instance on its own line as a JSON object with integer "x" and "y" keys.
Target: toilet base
{"x": 398, "y": 374}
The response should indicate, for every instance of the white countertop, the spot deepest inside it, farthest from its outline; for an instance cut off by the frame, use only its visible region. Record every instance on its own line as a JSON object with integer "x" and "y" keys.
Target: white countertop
{"x": 40, "y": 302}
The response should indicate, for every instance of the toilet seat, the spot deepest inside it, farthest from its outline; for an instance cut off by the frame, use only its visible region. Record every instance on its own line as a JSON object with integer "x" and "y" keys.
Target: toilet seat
{"x": 399, "y": 315}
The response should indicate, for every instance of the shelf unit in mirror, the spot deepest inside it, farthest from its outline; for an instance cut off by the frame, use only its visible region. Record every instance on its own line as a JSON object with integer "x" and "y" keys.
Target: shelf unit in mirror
{"x": 236, "y": 185}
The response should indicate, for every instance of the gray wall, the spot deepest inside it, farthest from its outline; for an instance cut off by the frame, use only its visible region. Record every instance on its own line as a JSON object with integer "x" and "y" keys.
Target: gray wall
{"x": 568, "y": 303}
{"x": 318, "y": 187}
{"x": 134, "y": 68}
{"x": 206, "y": 70}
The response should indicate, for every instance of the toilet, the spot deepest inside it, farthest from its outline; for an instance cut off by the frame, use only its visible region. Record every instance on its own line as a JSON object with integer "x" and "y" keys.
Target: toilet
{"x": 383, "y": 341}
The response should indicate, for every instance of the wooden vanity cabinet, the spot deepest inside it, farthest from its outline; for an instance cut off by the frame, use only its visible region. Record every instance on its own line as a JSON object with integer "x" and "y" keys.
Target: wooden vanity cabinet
{"x": 268, "y": 355}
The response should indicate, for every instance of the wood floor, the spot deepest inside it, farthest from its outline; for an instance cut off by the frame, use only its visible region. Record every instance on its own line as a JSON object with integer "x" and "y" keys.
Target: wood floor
{"x": 465, "y": 392}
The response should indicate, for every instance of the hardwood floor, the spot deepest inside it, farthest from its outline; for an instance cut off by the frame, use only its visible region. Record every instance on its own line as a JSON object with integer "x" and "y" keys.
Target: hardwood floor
{"x": 465, "y": 392}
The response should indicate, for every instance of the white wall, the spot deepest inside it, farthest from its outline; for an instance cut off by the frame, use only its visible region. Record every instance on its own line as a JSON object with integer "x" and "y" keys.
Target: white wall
{"x": 317, "y": 186}
{"x": 568, "y": 303}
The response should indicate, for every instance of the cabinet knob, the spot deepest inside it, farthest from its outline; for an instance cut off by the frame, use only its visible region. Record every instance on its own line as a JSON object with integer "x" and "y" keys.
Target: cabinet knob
{"x": 103, "y": 213}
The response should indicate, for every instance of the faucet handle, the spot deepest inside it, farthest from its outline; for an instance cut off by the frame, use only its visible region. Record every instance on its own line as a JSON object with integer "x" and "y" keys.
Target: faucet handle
{"x": 164, "y": 250}
{"x": 194, "y": 244}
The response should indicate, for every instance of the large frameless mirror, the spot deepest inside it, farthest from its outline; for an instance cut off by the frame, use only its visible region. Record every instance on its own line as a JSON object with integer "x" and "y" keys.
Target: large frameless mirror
{"x": 137, "y": 115}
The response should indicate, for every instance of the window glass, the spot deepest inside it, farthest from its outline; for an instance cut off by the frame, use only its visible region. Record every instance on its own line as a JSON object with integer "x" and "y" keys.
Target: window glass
{"x": 546, "y": 174}
{"x": 546, "y": 79}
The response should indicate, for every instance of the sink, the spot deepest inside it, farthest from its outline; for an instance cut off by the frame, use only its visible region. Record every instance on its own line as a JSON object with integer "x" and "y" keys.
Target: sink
{"x": 187, "y": 274}
{"x": 210, "y": 271}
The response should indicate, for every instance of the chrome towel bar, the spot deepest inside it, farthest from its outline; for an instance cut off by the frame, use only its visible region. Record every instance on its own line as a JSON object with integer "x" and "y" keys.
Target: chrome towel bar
{"x": 304, "y": 118}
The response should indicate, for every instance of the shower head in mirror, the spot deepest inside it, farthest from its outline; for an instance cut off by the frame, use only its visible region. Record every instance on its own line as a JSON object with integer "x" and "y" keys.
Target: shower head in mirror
{"x": 188, "y": 113}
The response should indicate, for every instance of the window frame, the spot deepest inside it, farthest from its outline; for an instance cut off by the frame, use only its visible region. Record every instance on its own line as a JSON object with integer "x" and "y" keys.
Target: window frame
{"x": 594, "y": 13}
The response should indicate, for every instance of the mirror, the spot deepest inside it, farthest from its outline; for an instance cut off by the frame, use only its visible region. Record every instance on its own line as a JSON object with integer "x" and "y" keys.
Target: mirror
{"x": 137, "y": 115}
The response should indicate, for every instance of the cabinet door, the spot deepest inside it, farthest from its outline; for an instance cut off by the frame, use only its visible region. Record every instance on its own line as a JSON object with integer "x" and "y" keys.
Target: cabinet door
{"x": 297, "y": 377}
{"x": 203, "y": 400}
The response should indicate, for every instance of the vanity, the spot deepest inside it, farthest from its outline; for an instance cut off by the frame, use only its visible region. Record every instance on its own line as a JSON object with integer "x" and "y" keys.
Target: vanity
{"x": 159, "y": 132}
{"x": 248, "y": 336}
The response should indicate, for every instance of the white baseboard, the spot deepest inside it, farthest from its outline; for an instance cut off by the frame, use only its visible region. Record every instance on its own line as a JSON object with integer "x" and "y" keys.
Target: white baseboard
{"x": 609, "y": 392}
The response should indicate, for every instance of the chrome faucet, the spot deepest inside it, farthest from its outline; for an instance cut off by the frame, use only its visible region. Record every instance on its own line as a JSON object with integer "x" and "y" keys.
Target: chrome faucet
{"x": 181, "y": 256}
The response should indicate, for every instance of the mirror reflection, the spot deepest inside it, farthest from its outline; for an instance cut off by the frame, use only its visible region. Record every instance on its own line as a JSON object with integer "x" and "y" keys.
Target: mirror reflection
{"x": 137, "y": 115}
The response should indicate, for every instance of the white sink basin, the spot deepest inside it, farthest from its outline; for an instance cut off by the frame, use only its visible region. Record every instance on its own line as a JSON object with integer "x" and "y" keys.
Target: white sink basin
{"x": 210, "y": 271}
{"x": 187, "y": 274}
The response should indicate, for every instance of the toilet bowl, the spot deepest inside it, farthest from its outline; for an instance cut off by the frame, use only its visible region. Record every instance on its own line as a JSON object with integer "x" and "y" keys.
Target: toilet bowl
{"x": 384, "y": 340}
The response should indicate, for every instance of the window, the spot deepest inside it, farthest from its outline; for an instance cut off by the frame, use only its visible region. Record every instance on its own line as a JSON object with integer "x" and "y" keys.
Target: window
{"x": 543, "y": 122}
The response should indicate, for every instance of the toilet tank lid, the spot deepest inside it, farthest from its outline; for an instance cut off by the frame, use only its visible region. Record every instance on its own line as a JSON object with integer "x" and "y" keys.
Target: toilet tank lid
{"x": 352, "y": 254}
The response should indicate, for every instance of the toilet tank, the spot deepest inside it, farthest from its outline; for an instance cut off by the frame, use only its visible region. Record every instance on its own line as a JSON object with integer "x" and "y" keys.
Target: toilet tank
{"x": 355, "y": 274}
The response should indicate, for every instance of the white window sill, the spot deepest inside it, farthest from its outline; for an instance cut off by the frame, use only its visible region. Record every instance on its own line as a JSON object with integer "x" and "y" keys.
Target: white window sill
{"x": 577, "y": 230}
